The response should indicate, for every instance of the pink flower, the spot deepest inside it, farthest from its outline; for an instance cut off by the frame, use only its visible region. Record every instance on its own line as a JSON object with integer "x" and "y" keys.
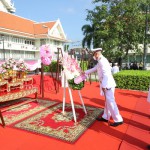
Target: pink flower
{"x": 46, "y": 54}
{"x": 71, "y": 66}
{"x": 46, "y": 61}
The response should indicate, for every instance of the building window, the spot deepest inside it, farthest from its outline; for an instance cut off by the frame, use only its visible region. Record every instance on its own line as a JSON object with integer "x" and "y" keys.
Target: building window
{"x": 42, "y": 41}
{"x": 29, "y": 55}
{"x": 1, "y": 54}
{"x": 7, "y": 54}
{"x": 33, "y": 43}
{"x": 16, "y": 54}
{"x": 51, "y": 41}
{"x": 148, "y": 59}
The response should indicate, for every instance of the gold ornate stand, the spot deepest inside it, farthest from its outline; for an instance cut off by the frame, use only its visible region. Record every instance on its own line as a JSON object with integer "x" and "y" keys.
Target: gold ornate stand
{"x": 23, "y": 91}
{"x": 16, "y": 95}
{"x": 27, "y": 82}
{"x": 15, "y": 85}
{"x": 3, "y": 83}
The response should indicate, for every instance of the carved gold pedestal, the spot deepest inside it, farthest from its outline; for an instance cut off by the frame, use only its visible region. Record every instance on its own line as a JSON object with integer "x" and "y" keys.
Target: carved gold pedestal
{"x": 1, "y": 77}
{"x": 21, "y": 74}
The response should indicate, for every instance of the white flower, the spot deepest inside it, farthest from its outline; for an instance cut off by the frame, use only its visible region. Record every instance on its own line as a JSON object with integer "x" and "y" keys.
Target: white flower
{"x": 70, "y": 66}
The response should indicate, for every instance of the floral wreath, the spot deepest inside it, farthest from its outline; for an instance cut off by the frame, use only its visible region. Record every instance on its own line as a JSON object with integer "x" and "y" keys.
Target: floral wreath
{"x": 71, "y": 69}
{"x": 46, "y": 54}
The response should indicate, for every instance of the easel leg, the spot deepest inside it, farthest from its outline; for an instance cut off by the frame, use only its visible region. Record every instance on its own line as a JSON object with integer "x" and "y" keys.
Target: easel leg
{"x": 64, "y": 99}
{"x": 64, "y": 94}
{"x": 72, "y": 104}
{"x": 82, "y": 102}
{"x": 2, "y": 119}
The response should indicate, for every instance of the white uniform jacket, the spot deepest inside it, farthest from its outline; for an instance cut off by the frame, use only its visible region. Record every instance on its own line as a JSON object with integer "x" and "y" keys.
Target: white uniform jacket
{"x": 103, "y": 69}
{"x": 115, "y": 69}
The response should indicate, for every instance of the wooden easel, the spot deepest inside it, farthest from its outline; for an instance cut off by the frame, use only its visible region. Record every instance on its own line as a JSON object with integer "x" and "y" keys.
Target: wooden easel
{"x": 65, "y": 85}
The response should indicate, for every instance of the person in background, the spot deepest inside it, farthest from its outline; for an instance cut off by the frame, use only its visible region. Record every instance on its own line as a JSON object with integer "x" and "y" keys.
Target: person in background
{"x": 126, "y": 67}
{"x": 111, "y": 66}
{"x": 131, "y": 65}
{"x": 107, "y": 86}
{"x": 115, "y": 68}
{"x": 135, "y": 66}
{"x": 140, "y": 65}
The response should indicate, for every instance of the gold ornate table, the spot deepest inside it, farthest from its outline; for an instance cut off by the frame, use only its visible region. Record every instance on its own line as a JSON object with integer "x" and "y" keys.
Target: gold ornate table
{"x": 27, "y": 82}
{"x": 15, "y": 85}
{"x": 3, "y": 83}
{"x": 16, "y": 95}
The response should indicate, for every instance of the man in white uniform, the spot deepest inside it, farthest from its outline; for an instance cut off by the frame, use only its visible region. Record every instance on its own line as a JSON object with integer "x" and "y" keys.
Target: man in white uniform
{"x": 107, "y": 86}
{"x": 115, "y": 68}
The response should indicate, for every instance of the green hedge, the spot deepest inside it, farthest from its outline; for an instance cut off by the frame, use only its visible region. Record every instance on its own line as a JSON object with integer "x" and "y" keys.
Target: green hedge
{"x": 46, "y": 69}
{"x": 133, "y": 79}
{"x": 84, "y": 65}
{"x": 52, "y": 67}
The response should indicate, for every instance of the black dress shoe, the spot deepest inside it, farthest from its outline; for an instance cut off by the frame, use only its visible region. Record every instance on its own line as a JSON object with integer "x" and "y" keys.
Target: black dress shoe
{"x": 101, "y": 119}
{"x": 115, "y": 124}
{"x": 148, "y": 147}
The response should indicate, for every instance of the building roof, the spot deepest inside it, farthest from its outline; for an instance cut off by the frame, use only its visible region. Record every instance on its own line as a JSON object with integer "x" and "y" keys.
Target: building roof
{"x": 41, "y": 28}
{"x": 19, "y": 26}
{"x": 15, "y": 23}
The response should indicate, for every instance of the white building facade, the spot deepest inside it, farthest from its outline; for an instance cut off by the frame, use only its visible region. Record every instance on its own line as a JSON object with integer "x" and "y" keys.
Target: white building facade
{"x": 22, "y": 38}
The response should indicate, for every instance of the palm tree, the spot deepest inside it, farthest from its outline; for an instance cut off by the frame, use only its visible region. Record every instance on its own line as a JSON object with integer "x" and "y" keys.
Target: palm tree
{"x": 88, "y": 32}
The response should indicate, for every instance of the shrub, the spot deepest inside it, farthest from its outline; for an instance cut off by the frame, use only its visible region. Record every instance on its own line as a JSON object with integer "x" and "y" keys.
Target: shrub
{"x": 84, "y": 65}
{"x": 52, "y": 67}
{"x": 46, "y": 69}
{"x": 133, "y": 79}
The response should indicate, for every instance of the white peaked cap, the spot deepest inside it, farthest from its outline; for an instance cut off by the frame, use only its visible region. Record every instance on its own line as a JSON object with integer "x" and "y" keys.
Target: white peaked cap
{"x": 96, "y": 49}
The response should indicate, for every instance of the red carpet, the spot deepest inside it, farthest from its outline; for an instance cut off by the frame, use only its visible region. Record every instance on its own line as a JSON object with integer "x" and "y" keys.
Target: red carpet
{"x": 134, "y": 134}
{"x": 18, "y": 113}
{"x": 51, "y": 122}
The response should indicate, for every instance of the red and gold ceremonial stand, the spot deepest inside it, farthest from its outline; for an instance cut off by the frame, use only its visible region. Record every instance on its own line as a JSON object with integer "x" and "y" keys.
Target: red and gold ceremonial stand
{"x": 16, "y": 89}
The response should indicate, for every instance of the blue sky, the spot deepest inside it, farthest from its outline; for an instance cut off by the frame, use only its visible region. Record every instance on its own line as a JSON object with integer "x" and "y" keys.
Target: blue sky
{"x": 72, "y": 13}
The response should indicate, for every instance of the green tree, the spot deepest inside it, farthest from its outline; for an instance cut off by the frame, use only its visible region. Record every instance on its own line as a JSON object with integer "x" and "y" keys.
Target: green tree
{"x": 88, "y": 32}
{"x": 95, "y": 32}
{"x": 119, "y": 24}
{"x": 66, "y": 46}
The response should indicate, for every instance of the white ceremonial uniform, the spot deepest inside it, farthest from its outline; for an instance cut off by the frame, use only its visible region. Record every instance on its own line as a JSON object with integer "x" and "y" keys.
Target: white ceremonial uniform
{"x": 115, "y": 69}
{"x": 107, "y": 81}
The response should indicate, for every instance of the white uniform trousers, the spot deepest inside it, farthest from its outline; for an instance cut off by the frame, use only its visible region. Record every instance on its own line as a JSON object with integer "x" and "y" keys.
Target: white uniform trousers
{"x": 111, "y": 109}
